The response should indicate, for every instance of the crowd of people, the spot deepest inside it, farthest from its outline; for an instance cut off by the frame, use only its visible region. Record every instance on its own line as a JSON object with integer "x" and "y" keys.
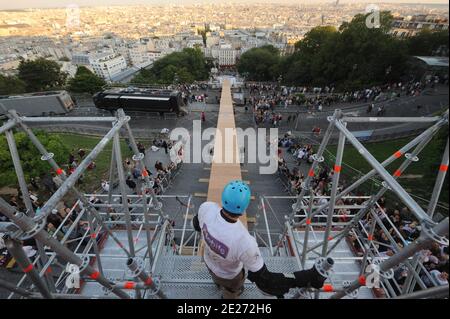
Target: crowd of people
{"x": 267, "y": 98}
{"x": 63, "y": 221}
{"x": 401, "y": 225}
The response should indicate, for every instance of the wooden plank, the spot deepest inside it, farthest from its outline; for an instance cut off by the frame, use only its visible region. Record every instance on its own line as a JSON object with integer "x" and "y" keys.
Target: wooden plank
{"x": 205, "y": 195}
{"x": 225, "y": 165}
{"x": 209, "y": 169}
{"x": 251, "y": 220}
{"x": 206, "y": 180}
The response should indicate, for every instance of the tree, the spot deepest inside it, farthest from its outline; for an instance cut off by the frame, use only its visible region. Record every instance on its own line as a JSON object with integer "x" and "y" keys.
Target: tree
{"x": 260, "y": 64}
{"x": 41, "y": 74}
{"x": 352, "y": 57}
{"x": 30, "y": 157}
{"x": 188, "y": 66}
{"x": 85, "y": 81}
{"x": 11, "y": 85}
{"x": 428, "y": 42}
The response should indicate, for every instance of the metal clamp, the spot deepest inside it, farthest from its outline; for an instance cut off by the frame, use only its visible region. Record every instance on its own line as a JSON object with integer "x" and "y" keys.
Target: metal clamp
{"x": 140, "y": 265}
{"x": 324, "y": 266}
{"x": 317, "y": 159}
{"x": 298, "y": 293}
{"x": 411, "y": 157}
{"x": 294, "y": 207}
{"x": 157, "y": 206}
{"x": 84, "y": 264}
{"x": 108, "y": 290}
{"x": 388, "y": 274}
{"x": 352, "y": 294}
{"x": 138, "y": 157}
{"x": 47, "y": 156}
{"x": 38, "y": 226}
{"x": 304, "y": 186}
{"x": 157, "y": 286}
{"x": 385, "y": 185}
{"x": 427, "y": 230}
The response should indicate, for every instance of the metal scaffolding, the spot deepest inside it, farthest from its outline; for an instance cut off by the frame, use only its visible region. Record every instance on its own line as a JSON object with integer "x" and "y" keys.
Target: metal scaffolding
{"x": 317, "y": 228}
{"x": 131, "y": 249}
{"x": 85, "y": 252}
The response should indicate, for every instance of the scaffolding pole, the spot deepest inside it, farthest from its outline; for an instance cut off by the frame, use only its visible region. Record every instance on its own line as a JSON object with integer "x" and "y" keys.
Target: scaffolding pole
{"x": 367, "y": 248}
{"x": 390, "y": 119}
{"x": 123, "y": 191}
{"x": 49, "y": 158}
{"x": 439, "y": 183}
{"x": 318, "y": 157}
{"x": 337, "y": 172}
{"x": 155, "y": 204}
{"x": 7, "y": 126}
{"x": 263, "y": 206}
{"x": 434, "y": 292}
{"x": 93, "y": 234}
{"x": 27, "y": 201}
{"x": 426, "y": 134}
{"x": 73, "y": 178}
{"x": 408, "y": 160}
{"x": 68, "y": 119}
{"x": 308, "y": 225}
{"x": 139, "y": 271}
{"x": 15, "y": 289}
{"x": 111, "y": 175}
{"x": 16, "y": 250}
{"x": 394, "y": 185}
{"x": 426, "y": 238}
{"x": 34, "y": 230}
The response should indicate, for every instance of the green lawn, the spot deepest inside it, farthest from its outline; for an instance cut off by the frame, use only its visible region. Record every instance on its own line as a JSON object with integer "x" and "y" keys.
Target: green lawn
{"x": 92, "y": 178}
{"x": 418, "y": 179}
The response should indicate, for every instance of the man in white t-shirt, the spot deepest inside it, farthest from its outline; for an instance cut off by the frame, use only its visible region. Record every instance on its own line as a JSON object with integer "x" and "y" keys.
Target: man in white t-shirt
{"x": 230, "y": 250}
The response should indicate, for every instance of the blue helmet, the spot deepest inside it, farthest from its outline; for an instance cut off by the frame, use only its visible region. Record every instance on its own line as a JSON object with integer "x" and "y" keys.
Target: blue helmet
{"x": 236, "y": 197}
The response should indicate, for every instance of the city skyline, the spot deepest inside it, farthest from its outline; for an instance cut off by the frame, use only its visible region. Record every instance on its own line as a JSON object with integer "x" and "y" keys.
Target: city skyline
{"x": 24, "y": 4}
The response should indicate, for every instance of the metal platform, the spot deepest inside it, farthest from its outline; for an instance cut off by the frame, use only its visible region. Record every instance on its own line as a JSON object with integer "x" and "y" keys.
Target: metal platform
{"x": 185, "y": 277}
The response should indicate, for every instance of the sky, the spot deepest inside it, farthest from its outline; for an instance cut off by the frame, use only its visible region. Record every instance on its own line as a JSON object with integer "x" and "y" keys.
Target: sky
{"x": 20, "y": 4}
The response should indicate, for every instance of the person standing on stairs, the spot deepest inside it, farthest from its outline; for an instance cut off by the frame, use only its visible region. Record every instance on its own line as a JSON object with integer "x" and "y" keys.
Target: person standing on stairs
{"x": 230, "y": 250}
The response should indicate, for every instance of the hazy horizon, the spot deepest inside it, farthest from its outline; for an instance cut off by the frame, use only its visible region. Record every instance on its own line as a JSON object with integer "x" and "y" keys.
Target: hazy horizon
{"x": 24, "y": 4}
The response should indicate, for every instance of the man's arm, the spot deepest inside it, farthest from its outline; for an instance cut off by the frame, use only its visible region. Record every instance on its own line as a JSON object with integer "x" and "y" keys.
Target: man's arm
{"x": 196, "y": 223}
{"x": 197, "y": 218}
{"x": 276, "y": 284}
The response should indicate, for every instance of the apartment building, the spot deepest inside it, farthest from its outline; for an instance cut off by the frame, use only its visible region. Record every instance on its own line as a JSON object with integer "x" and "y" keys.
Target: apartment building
{"x": 227, "y": 55}
{"x": 108, "y": 66}
{"x": 405, "y": 27}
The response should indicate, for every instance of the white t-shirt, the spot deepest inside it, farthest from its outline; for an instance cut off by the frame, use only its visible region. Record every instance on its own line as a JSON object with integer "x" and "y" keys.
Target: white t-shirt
{"x": 228, "y": 246}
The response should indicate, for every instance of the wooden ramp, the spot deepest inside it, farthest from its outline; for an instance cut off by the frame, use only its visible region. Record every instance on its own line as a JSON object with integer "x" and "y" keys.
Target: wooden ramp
{"x": 225, "y": 165}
